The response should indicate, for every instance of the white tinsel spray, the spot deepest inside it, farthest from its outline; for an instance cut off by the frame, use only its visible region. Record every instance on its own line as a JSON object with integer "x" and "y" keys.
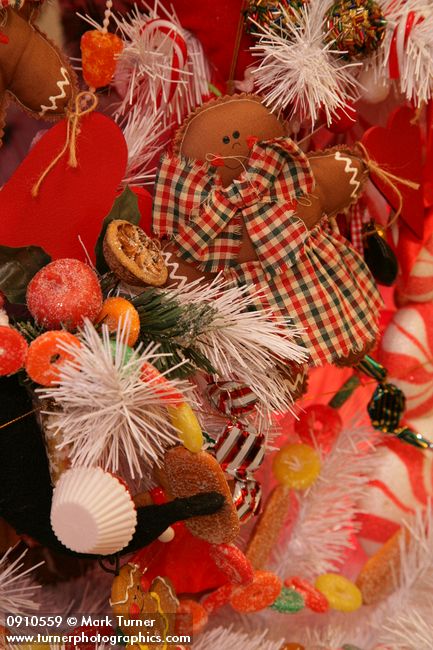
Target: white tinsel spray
{"x": 17, "y": 589}
{"x": 298, "y": 69}
{"x": 107, "y": 412}
{"x": 162, "y": 74}
{"x": 244, "y": 345}
{"x": 404, "y": 620}
{"x": 223, "y": 638}
{"x": 322, "y": 532}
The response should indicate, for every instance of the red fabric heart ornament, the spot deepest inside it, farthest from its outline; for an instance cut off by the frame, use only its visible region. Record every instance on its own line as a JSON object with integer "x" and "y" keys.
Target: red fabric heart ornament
{"x": 398, "y": 149}
{"x": 71, "y": 202}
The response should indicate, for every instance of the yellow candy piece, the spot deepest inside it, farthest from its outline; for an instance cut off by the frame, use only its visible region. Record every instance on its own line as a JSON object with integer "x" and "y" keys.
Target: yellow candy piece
{"x": 296, "y": 466}
{"x": 342, "y": 594}
{"x": 184, "y": 420}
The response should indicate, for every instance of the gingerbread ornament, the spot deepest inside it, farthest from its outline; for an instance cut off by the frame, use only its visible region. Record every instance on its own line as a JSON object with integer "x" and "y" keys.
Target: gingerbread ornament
{"x": 240, "y": 197}
{"x": 33, "y": 72}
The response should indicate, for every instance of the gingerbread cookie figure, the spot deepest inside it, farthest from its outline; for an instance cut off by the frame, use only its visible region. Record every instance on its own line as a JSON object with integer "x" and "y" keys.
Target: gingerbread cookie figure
{"x": 33, "y": 72}
{"x": 240, "y": 197}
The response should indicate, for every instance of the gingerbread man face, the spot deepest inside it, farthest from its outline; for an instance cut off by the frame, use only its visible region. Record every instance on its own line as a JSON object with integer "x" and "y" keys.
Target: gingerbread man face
{"x": 224, "y": 130}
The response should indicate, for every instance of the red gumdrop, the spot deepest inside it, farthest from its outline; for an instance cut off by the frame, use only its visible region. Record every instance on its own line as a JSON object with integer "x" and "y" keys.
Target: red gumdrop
{"x": 313, "y": 598}
{"x": 13, "y": 350}
{"x": 320, "y": 424}
{"x": 63, "y": 294}
{"x": 343, "y": 119}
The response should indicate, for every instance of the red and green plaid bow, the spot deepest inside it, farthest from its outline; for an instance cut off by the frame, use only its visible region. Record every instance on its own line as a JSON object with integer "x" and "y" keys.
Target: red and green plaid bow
{"x": 205, "y": 218}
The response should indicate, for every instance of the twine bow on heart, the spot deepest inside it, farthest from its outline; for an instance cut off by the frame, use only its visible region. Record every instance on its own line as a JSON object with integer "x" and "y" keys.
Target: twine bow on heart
{"x": 84, "y": 103}
{"x": 390, "y": 179}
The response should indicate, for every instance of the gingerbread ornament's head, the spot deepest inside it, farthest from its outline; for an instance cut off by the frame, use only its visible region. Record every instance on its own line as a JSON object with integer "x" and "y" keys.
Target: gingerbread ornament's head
{"x": 223, "y": 130}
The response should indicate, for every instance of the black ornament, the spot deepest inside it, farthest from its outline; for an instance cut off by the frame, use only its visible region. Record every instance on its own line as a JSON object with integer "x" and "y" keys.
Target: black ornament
{"x": 379, "y": 257}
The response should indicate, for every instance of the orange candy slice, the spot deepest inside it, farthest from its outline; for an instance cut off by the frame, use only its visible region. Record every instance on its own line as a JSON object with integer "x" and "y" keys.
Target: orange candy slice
{"x": 161, "y": 386}
{"x": 114, "y": 313}
{"x": 258, "y": 595}
{"x": 13, "y": 350}
{"x": 99, "y": 54}
{"x": 46, "y": 356}
{"x": 190, "y": 609}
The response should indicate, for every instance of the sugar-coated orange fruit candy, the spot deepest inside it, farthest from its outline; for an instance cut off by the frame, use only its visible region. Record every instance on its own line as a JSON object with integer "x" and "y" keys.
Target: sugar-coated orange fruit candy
{"x": 63, "y": 293}
{"x": 257, "y": 595}
{"x": 161, "y": 386}
{"x": 13, "y": 350}
{"x": 99, "y": 54}
{"x": 115, "y": 313}
{"x": 190, "y": 609}
{"x": 46, "y": 356}
{"x": 296, "y": 466}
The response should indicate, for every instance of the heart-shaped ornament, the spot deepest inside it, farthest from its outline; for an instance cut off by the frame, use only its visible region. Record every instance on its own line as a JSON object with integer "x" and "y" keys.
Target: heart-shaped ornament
{"x": 71, "y": 202}
{"x": 398, "y": 149}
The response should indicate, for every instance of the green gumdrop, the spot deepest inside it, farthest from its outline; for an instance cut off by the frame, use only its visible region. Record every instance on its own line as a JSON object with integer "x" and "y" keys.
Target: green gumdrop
{"x": 127, "y": 351}
{"x": 288, "y": 602}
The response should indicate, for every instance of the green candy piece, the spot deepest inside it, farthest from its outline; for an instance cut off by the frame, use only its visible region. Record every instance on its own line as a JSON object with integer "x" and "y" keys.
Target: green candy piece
{"x": 127, "y": 351}
{"x": 288, "y": 602}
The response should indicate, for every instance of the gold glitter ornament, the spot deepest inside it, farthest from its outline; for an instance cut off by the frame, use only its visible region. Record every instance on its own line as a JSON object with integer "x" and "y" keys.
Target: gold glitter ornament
{"x": 271, "y": 13}
{"x": 355, "y": 27}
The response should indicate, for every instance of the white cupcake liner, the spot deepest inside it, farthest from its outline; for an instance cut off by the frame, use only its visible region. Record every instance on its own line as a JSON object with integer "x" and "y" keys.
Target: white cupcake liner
{"x": 92, "y": 512}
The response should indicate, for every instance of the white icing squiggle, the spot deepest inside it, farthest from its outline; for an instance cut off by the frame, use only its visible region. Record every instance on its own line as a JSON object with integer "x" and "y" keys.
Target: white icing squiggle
{"x": 173, "y": 268}
{"x": 53, "y": 99}
{"x": 349, "y": 169}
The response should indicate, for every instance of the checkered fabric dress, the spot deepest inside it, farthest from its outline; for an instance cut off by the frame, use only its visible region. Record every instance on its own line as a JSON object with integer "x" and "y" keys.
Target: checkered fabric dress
{"x": 314, "y": 277}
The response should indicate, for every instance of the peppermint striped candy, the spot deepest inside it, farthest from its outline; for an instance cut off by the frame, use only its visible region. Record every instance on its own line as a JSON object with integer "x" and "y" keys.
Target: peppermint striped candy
{"x": 406, "y": 351}
{"x": 403, "y": 482}
{"x": 247, "y": 497}
{"x": 231, "y": 397}
{"x": 418, "y": 287}
{"x": 240, "y": 449}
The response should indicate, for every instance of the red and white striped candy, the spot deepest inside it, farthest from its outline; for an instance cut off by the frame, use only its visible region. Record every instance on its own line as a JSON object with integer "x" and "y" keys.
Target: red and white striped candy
{"x": 403, "y": 482}
{"x": 407, "y": 353}
{"x": 418, "y": 287}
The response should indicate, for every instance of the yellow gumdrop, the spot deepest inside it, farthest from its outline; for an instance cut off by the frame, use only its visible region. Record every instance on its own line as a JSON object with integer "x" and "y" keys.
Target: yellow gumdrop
{"x": 296, "y": 466}
{"x": 342, "y": 594}
{"x": 184, "y": 420}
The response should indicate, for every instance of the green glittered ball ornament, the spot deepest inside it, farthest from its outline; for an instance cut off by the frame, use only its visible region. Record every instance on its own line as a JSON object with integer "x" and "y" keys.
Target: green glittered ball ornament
{"x": 355, "y": 27}
{"x": 271, "y": 13}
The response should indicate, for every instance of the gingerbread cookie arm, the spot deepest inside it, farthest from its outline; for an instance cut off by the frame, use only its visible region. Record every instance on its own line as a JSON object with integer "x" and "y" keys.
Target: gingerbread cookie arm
{"x": 339, "y": 176}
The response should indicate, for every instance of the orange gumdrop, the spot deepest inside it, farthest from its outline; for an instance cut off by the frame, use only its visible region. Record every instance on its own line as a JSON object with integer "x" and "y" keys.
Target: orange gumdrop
{"x": 191, "y": 617}
{"x": 114, "y": 313}
{"x": 46, "y": 356}
{"x": 99, "y": 52}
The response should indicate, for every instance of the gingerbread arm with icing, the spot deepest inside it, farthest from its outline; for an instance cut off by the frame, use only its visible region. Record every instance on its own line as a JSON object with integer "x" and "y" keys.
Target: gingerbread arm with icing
{"x": 33, "y": 72}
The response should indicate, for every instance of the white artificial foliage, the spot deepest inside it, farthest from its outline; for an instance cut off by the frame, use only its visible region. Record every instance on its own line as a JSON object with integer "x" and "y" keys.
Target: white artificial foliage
{"x": 107, "y": 414}
{"x": 156, "y": 93}
{"x": 230, "y": 638}
{"x": 325, "y": 523}
{"x": 404, "y": 620}
{"x": 17, "y": 589}
{"x": 298, "y": 69}
{"x": 241, "y": 344}
{"x": 416, "y": 64}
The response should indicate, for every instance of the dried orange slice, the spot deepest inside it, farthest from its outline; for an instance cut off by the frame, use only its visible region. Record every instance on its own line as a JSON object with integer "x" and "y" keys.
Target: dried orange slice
{"x": 133, "y": 256}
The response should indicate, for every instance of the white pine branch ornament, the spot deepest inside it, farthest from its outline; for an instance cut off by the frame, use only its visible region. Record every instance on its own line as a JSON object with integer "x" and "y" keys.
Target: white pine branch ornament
{"x": 242, "y": 344}
{"x": 404, "y": 620}
{"x": 297, "y": 69}
{"x": 230, "y": 638}
{"x": 108, "y": 414}
{"x": 325, "y": 524}
{"x": 17, "y": 589}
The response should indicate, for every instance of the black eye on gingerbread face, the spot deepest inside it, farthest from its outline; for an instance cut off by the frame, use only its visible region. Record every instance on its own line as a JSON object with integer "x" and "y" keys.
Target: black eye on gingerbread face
{"x": 221, "y": 128}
